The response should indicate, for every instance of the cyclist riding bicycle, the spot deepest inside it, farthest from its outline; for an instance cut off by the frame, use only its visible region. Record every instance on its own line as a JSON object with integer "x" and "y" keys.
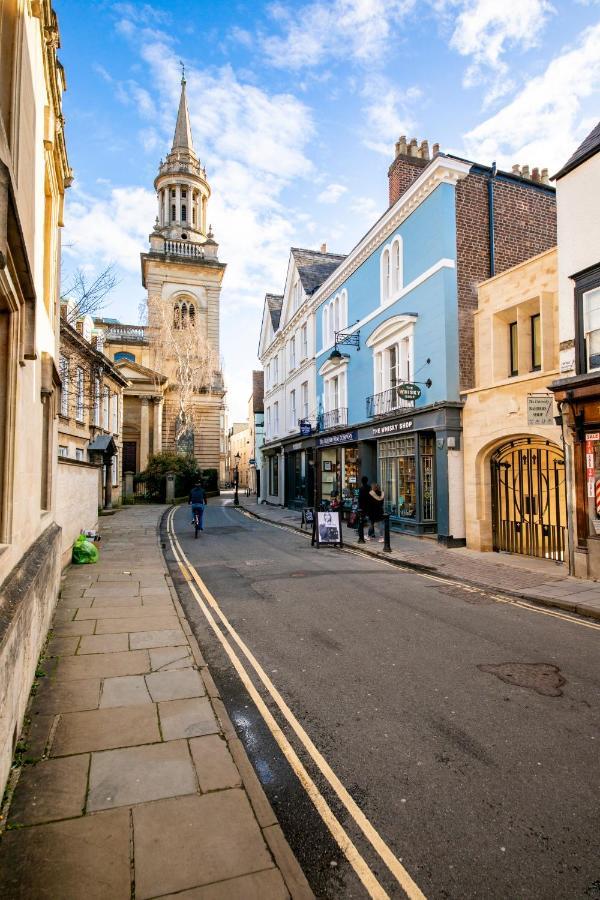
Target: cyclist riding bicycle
{"x": 198, "y": 501}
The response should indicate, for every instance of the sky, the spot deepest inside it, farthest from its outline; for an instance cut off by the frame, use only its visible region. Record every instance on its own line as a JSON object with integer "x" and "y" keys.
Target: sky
{"x": 295, "y": 110}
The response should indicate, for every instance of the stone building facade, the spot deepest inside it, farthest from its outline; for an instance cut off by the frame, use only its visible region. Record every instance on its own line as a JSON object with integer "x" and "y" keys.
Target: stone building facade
{"x": 34, "y": 174}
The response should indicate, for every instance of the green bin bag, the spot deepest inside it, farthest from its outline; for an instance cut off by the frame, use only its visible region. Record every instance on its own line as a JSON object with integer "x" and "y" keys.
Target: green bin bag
{"x": 84, "y": 551}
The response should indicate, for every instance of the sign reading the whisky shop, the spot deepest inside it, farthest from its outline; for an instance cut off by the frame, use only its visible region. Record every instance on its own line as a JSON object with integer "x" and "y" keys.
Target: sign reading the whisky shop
{"x": 539, "y": 409}
{"x": 392, "y": 428}
{"x": 408, "y": 391}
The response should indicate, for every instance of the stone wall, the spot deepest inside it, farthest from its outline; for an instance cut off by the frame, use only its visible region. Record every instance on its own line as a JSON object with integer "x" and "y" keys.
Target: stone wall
{"x": 77, "y": 500}
{"x": 27, "y": 600}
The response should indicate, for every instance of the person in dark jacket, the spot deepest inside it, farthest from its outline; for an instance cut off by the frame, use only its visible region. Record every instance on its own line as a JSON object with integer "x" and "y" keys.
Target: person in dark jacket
{"x": 377, "y": 497}
{"x": 198, "y": 501}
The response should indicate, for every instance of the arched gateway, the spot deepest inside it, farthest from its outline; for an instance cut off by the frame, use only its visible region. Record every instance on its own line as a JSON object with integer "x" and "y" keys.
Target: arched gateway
{"x": 529, "y": 502}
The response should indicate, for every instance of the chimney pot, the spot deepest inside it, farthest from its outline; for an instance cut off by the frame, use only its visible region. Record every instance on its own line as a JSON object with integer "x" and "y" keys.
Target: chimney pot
{"x": 525, "y": 172}
{"x": 535, "y": 174}
{"x": 401, "y": 146}
{"x": 424, "y": 150}
{"x": 413, "y": 148}
{"x": 323, "y": 248}
{"x": 435, "y": 149}
{"x": 544, "y": 176}
{"x": 516, "y": 169}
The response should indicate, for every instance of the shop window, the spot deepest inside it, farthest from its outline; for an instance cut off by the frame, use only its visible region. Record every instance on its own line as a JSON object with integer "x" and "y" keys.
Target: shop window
{"x": 274, "y": 475}
{"x": 536, "y": 342}
{"x": 513, "y": 346}
{"x": 591, "y": 325}
{"x": 426, "y": 454}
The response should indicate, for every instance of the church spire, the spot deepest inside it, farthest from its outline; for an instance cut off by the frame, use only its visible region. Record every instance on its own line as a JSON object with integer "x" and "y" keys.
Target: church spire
{"x": 182, "y": 139}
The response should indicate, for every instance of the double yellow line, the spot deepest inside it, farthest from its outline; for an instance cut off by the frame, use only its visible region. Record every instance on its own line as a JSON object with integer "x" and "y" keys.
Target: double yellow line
{"x": 213, "y": 615}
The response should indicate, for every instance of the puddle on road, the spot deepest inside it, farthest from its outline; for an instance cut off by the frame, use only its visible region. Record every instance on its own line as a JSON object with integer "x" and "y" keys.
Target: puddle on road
{"x": 543, "y": 678}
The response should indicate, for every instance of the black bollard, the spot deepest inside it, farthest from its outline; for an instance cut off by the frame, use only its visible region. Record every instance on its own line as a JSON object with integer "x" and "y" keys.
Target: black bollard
{"x": 361, "y": 528}
{"x": 387, "y": 547}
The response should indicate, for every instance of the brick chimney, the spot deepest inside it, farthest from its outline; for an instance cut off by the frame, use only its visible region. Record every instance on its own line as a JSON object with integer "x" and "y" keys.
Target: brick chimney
{"x": 323, "y": 248}
{"x": 410, "y": 160}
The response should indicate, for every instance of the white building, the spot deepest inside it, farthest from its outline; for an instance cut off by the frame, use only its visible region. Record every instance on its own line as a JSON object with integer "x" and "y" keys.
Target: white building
{"x": 287, "y": 353}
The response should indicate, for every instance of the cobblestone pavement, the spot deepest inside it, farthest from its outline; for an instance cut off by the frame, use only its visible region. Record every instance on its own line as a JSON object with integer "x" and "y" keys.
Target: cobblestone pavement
{"x": 543, "y": 581}
{"x": 133, "y": 783}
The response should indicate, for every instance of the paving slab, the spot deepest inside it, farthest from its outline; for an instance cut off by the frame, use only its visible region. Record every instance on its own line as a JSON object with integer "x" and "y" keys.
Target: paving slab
{"x": 49, "y": 790}
{"x": 137, "y": 623}
{"x": 187, "y": 718}
{"x": 174, "y": 850}
{"x": 267, "y": 885}
{"x": 103, "y": 665}
{"x": 101, "y": 589}
{"x": 178, "y": 685}
{"x": 140, "y": 774}
{"x": 167, "y": 659}
{"x": 80, "y": 858}
{"x": 62, "y": 646}
{"x": 105, "y": 729}
{"x": 215, "y": 767}
{"x": 71, "y": 628}
{"x": 126, "y": 690}
{"x": 74, "y": 602}
{"x": 103, "y": 643}
{"x": 39, "y": 734}
{"x": 141, "y": 640}
{"x": 67, "y": 696}
{"x": 108, "y": 611}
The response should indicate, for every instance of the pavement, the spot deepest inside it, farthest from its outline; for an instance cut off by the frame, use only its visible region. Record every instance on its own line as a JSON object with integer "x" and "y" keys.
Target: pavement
{"x": 129, "y": 779}
{"x": 539, "y": 580}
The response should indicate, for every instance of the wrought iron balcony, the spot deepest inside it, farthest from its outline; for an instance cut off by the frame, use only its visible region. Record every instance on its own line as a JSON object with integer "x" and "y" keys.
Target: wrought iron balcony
{"x": 127, "y": 334}
{"x": 387, "y": 402}
{"x": 184, "y": 248}
{"x": 332, "y": 418}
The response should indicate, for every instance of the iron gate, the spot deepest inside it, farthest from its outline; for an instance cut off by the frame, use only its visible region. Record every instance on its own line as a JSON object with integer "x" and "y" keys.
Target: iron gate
{"x": 529, "y": 502}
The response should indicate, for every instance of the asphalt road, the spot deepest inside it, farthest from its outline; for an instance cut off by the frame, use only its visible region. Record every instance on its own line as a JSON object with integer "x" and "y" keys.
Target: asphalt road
{"x": 443, "y": 712}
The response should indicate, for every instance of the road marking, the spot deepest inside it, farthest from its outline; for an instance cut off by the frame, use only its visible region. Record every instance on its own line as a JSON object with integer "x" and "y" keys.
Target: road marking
{"x": 359, "y": 865}
{"x": 510, "y": 601}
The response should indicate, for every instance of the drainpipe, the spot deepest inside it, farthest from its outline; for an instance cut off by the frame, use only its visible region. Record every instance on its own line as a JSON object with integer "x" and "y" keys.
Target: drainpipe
{"x": 568, "y": 450}
{"x": 490, "y": 187}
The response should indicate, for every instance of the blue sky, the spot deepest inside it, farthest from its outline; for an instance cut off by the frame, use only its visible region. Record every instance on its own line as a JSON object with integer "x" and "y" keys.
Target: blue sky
{"x": 295, "y": 110}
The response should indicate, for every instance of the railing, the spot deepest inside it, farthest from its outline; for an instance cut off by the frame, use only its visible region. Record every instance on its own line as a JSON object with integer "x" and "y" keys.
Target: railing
{"x": 332, "y": 419}
{"x": 184, "y": 248}
{"x": 128, "y": 334}
{"x": 387, "y": 402}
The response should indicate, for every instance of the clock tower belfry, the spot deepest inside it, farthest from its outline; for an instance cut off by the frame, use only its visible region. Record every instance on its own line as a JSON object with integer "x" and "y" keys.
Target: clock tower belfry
{"x": 182, "y": 275}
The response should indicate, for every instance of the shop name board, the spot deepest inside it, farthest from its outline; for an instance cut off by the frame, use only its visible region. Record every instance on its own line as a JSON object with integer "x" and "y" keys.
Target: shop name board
{"x": 408, "y": 391}
{"x": 539, "y": 409}
{"x": 332, "y": 439}
{"x": 393, "y": 428}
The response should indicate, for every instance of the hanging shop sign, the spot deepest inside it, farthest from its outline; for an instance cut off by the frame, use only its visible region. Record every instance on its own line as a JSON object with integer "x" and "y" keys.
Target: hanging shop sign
{"x": 539, "y": 409}
{"x": 392, "y": 428}
{"x": 327, "y": 529}
{"x": 330, "y": 440}
{"x": 305, "y": 428}
{"x": 408, "y": 391}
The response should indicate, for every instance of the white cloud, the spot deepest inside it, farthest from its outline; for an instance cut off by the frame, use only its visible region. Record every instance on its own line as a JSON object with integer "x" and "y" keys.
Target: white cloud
{"x": 332, "y": 193}
{"x": 389, "y": 112}
{"x": 366, "y": 208}
{"x": 543, "y": 123}
{"x": 485, "y": 29}
{"x": 359, "y": 29}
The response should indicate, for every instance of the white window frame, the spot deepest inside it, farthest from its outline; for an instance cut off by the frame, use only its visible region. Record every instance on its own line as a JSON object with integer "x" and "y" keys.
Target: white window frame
{"x": 391, "y": 271}
{"x": 293, "y": 417}
{"x": 79, "y": 454}
{"x": 335, "y": 317}
{"x": 114, "y": 403}
{"x": 64, "y": 391}
{"x": 268, "y": 429}
{"x": 292, "y": 352}
{"x": 304, "y": 399}
{"x": 79, "y": 396}
{"x": 276, "y": 418}
{"x": 63, "y": 451}
{"x": 276, "y": 369}
{"x": 397, "y": 332}
{"x": 106, "y": 408}
{"x": 97, "y": 401}
{"x": 304, "y": 341}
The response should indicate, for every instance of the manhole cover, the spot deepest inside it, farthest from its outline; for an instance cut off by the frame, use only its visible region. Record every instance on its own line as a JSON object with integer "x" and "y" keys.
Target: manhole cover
{"x": 543, "y": 678}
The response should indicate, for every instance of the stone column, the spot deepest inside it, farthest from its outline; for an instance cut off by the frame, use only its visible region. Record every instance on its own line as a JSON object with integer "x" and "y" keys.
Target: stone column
{"x": 144, "y": 434}
{"x": 157, "y": 426}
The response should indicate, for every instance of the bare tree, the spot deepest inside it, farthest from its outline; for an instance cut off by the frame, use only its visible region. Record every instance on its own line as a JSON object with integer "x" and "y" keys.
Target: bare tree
{"x": 182, "y": 352}
{"x": 88, "y": 296}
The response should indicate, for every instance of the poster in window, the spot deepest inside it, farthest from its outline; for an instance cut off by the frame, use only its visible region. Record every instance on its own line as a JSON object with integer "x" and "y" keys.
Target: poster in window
{"x": 327, "y": 528}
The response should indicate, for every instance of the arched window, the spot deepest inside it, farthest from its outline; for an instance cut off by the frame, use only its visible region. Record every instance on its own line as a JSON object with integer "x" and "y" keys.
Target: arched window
{"x": 326, "y": 325}
{"x": 123, "y": 354}
{"x": 192, "y": 315}
{"x": 396, "y": 267}
{"x": 386, "y": 274}
{"x": 176, "y": 316}
{"x": 183, "y": 212}
{"x": 172, "y": 212}
{"x": 184, "y": 315}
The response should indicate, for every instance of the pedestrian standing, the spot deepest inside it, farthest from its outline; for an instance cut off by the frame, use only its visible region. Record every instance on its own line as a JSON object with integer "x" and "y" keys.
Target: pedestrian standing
{"x": 376, "y": 497}
{"x": 364, "y": 500}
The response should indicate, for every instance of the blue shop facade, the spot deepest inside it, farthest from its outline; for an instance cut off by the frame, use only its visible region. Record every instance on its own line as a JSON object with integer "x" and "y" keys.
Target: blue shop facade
{"x": 387, "y": 364}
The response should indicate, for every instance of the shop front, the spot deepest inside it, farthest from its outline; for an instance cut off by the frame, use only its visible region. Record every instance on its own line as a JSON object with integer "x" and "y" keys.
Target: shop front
{"x": 338, "y": 470}
{"x": 299, "y": 474}
{"x": 419, "y": 467}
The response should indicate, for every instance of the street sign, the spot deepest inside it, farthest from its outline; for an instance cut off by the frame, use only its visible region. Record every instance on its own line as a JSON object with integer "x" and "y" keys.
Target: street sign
{"x": 408, "y": 391}
{"x": 539, "y": 409}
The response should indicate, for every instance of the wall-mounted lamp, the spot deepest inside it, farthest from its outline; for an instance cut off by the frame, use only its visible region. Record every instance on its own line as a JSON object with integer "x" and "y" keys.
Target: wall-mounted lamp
{"x": 346, "y": 338}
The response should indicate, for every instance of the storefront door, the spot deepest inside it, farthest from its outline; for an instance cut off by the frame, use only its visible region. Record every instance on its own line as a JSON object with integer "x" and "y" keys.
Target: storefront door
{"x": 407, "y": 476}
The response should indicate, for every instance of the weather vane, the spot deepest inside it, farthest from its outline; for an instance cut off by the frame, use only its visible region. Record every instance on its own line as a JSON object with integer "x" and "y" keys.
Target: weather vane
{"x": 182, "y": 64}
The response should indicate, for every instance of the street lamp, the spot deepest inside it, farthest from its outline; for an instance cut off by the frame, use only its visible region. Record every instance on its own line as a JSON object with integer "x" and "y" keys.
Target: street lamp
{"x": 236, "y": 479}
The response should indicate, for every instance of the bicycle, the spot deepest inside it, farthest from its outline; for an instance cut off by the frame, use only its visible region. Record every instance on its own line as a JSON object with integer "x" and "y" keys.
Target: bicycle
{"x": 197, "y": 525}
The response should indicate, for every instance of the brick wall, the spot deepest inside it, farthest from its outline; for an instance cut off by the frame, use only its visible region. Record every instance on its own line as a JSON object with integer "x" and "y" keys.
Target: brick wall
{"x": 524, "y": 225}
{"x": 401, "y": 174}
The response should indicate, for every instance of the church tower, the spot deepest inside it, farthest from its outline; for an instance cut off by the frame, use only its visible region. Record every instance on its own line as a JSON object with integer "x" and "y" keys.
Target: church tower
{"x": 182, "y": 275}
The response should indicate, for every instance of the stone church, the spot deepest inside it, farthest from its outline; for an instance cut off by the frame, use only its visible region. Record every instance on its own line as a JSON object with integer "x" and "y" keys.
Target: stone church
{"x": 166, "y": 408}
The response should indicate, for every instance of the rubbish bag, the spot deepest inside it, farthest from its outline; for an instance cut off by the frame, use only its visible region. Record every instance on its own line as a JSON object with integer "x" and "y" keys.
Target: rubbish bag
{"x": 84, "y": 551}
